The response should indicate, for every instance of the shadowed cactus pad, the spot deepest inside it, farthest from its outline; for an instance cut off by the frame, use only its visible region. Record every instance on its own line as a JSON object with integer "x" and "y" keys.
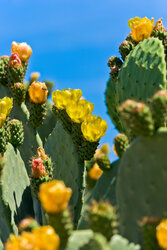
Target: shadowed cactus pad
{"x": 144, "y": 161}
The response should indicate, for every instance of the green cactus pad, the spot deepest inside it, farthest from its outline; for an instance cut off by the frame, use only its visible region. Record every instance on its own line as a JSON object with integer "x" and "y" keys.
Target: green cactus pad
{"x": 14, "y": 187}
{"x": 31, "y": 139}
{"x": 142, "y": 74}
{"x": 48, "y": 124}
{"x": 68, "y": 166}
{"x": 112, "y": 103}
{"x": 1, "y": 245}
{"x": 97, "y": 242}
{"x": 119, "y": 243}
{"x": 62, "y": 223}
{"x": 141, "y": 181}
{"x": 105, "y": 189}
{"x": 78, "y": 239}
{"x": 144, "y": 71}
{"x": 102, "y": 213}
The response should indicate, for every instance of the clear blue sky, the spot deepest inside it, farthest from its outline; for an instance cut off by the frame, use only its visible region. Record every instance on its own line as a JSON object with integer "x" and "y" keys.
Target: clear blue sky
{"x": 73, "y": 39}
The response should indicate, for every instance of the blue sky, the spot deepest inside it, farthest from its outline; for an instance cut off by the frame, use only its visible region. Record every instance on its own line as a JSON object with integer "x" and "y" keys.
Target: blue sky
{"x": 73, "y": 39}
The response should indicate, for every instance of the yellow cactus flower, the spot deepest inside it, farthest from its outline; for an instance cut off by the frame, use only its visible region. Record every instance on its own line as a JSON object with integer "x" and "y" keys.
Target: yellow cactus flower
{"x": 38, "y": 92}
{"x": 162, "y": 234}
{"x": 46, "y": 238}
{"x": 39, "y": 239}
{"x": 54, "y": 196}
{"x": 141, "y": 28}
{"x": 132, "y": 21}
{"x": 23, "y": 50}
{"x": 2, "y": 119}
{"x": 25, "y": 241}
{"x": 6, "y": 105}
{"x": 62, "y": 98}
{"x": 93, "y": 128}
{"x": 95, "y": 172}
{"x": 78, "y": 111}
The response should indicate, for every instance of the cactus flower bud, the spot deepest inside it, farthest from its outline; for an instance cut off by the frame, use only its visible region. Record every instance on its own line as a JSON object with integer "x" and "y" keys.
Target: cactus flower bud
{"x": 105, "y": 148}
{"x": 41, "y": 153}
{"x": 162, "y": 234}
{"x": 141, "y": 28}
{"x": 23, "y": 50}
{"x": 14, "y": 61}
{"x": 38, "y": 92}
{"x": 34, "y": 76}
{"x": 54, "y": 196}
{"x": 95, "y": 172}
{"x": 27, "y": 224}
{"x": 38, "y": 169}
{"x": 159, "y": 25}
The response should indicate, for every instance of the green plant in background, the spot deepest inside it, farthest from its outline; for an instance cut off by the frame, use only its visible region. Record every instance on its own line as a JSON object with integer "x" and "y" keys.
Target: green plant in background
{"x": 75, "y": 197}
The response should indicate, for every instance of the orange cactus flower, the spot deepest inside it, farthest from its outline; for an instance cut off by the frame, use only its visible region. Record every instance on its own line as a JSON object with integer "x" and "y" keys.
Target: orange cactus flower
{"x": 23, "y": 50}
{"x": 54, "y": 196}
{"x": 95, "y": 172}
{"x": 38, "y": 92}
{"x": 14, "y": 61}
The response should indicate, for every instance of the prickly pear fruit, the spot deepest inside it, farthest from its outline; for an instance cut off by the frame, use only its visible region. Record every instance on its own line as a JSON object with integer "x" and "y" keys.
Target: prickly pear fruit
{"x": 102, "y": 218}
{"x": 16, "y": 132}
{"x": 121, "y": 143}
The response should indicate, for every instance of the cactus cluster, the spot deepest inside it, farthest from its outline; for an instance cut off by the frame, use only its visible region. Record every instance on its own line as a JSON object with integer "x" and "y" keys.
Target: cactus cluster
{"x": 52, "y": 171}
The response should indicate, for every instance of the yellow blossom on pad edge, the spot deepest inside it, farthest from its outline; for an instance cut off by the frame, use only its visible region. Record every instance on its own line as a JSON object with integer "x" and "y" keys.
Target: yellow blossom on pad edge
{"x": 78, "y": 111}
{"x": 6, "y": 105}
{"x": 40, "y": 238}
{"x": 95, "y": 172}
{"x": 141, "y": 28}
{"x": 161, "y": 234}
{"x": 62, "y": 98}
{"x": 93, "y": 128}
{"x": 54, "y": 196}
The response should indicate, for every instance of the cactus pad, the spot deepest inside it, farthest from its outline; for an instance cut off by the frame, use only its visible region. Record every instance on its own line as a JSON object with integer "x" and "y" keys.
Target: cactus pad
{"x": 141, "y": 181}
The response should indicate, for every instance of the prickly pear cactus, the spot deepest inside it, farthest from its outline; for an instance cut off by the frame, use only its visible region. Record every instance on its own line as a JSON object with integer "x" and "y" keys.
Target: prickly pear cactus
{"x": 141, "y": 75}
{"x": 141, "y": 182}
{"x": 68, "y": 166}
{"x": 15, "y": 199}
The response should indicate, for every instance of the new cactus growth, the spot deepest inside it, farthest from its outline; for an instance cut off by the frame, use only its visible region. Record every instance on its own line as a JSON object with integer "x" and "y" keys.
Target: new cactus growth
{"x": 138, "y": 118}
{"x": 121, "y": 143}
{"x": 41, "y": 170}
{"x": 102, "y": 213}
{"x": 148, "y": 227}
{"x": 159, "y": 108}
